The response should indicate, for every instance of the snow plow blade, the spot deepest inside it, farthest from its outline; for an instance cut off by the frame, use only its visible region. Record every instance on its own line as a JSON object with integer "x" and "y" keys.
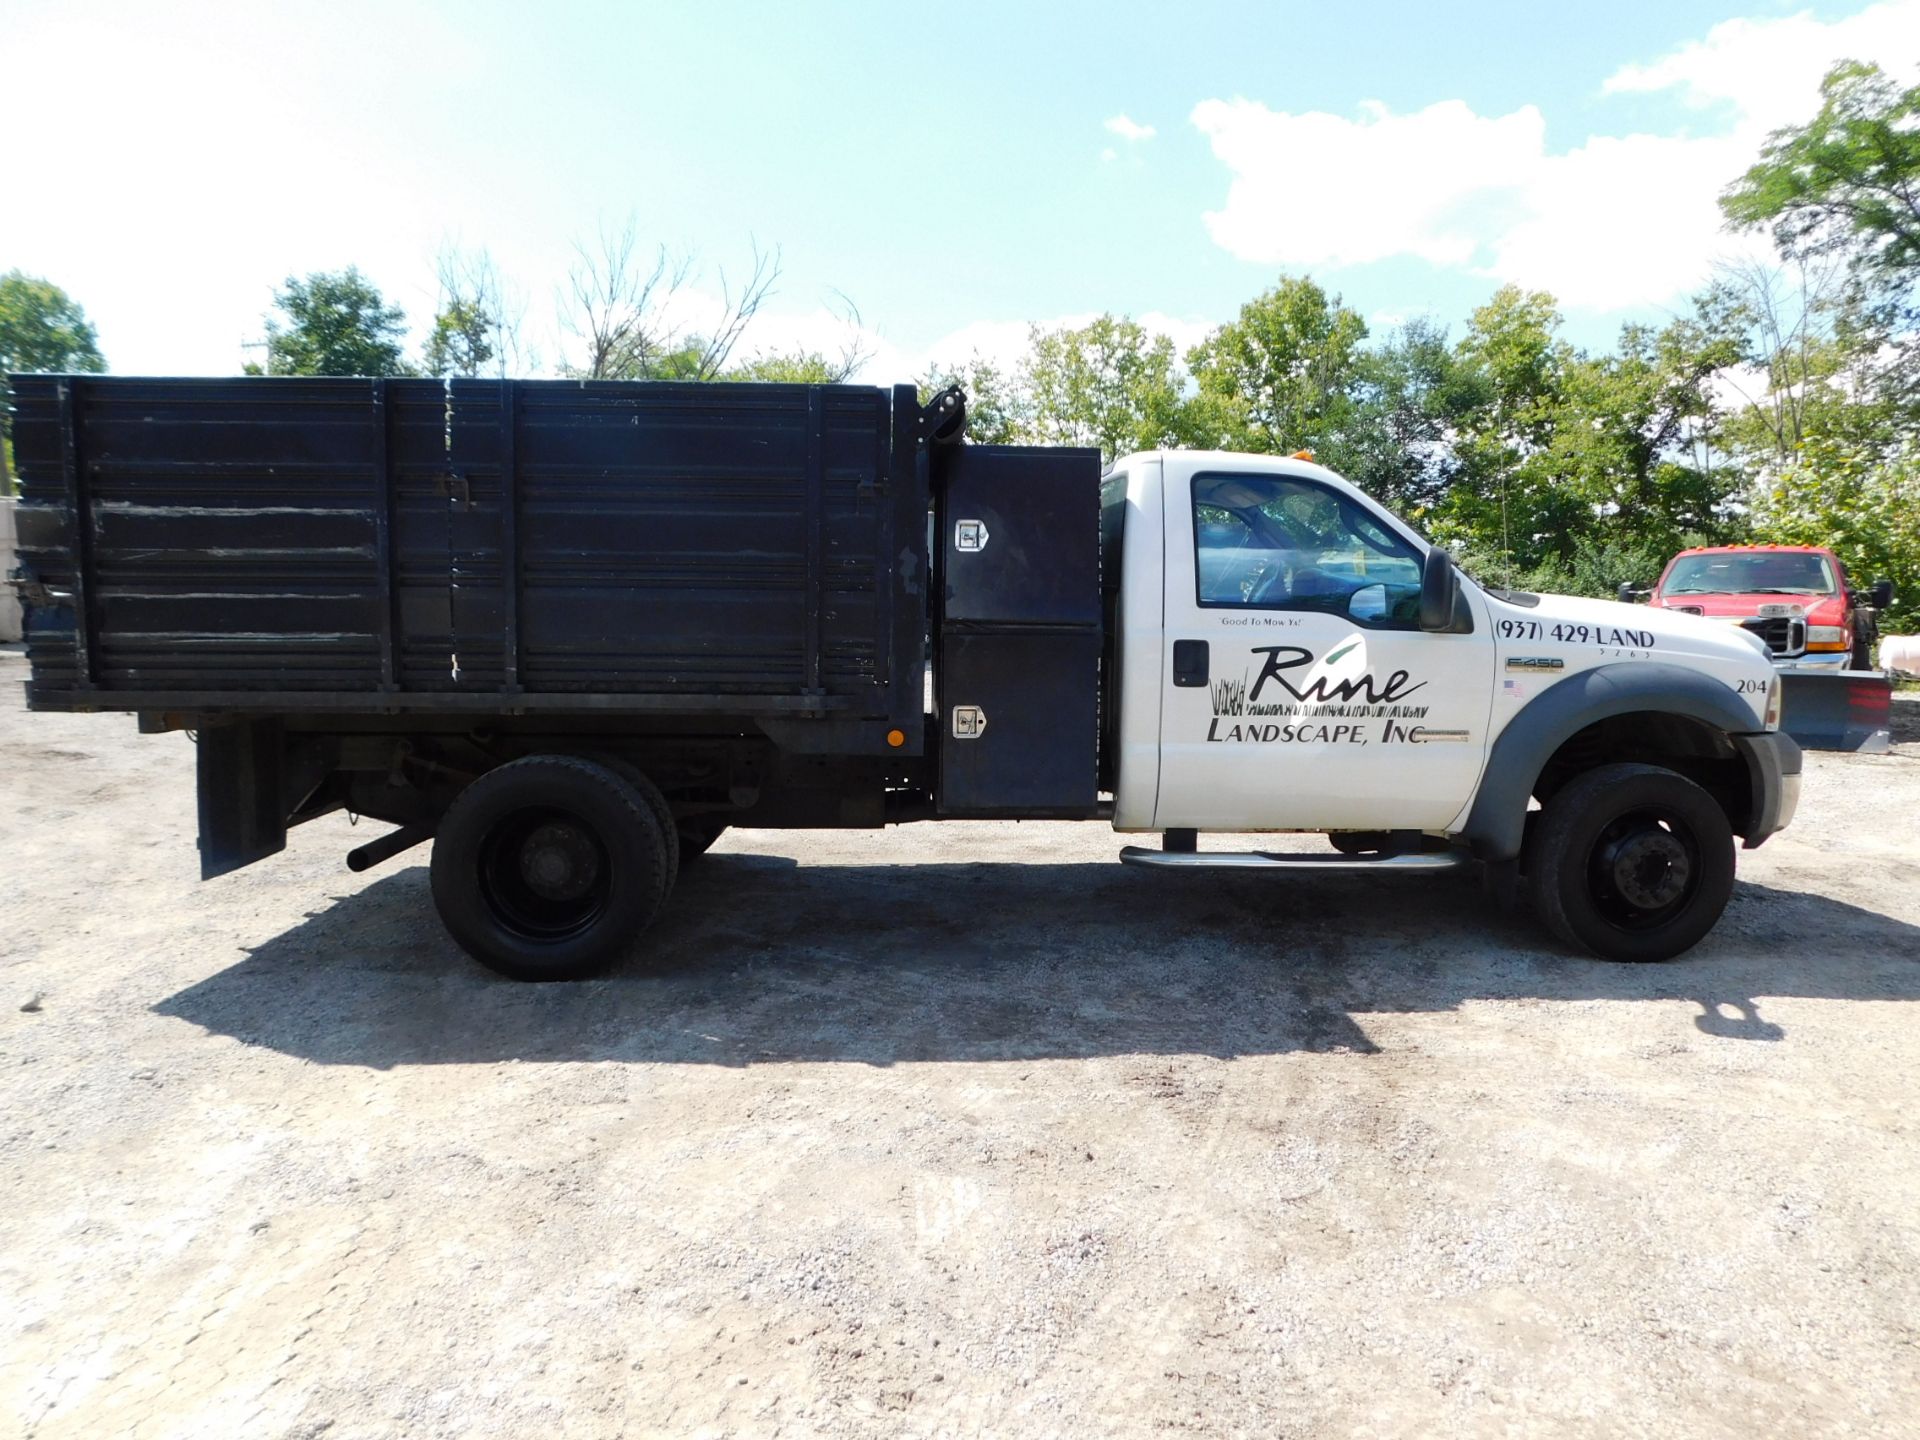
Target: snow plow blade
{"x": 1838, "y": 710}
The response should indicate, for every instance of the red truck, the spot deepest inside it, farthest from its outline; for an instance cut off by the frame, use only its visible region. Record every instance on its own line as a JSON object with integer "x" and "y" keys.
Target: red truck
{"x": 1796, "y": 598}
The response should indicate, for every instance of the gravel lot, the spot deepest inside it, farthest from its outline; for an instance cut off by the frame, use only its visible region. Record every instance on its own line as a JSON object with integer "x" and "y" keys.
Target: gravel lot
{"x": 956, "y": 1130}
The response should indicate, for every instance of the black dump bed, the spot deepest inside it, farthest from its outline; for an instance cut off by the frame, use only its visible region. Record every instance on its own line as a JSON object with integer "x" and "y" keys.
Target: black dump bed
{"x": 523, "y": 547}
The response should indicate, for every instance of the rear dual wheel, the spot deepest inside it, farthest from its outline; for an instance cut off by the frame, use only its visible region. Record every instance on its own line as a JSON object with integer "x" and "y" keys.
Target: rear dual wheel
{"x": 549, "y": 868}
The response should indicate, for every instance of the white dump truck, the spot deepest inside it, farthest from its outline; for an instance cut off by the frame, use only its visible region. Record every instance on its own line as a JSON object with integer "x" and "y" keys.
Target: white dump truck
{"x": 569, "y": 633}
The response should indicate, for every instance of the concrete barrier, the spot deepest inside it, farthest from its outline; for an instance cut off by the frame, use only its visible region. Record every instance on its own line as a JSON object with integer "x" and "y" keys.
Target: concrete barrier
{"x": 9, "y": 597}
{"x": 1901, "y": 652}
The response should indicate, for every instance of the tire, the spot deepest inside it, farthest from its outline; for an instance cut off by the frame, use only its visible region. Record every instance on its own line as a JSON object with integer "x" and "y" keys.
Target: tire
{"x": 1866, "y": 631}
{"x": 697, "y": 834}
{"x": 549, "y": 868}
{"x": 1631, "y": 862}
{"x": 1381, "y": 842}
{"x": 1358, "y": 842}
{"x": 656, "y": 802}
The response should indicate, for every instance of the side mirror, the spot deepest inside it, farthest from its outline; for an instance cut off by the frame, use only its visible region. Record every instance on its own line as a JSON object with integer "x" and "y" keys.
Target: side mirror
{"x": 1369, "y": 602}
{"x": 1439, "y": 590}
{"x": 1882, "y": 594}
{"x": 1626, "y": 592}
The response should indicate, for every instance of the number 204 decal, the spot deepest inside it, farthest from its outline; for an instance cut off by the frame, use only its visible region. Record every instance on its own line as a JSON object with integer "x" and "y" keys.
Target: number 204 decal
{"x": 1607, "y": 636}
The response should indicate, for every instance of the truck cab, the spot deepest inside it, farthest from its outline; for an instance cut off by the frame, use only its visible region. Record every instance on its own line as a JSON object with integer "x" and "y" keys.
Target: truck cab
{"x": 1796, "y": 598}
{"x": 1292, "y": 656}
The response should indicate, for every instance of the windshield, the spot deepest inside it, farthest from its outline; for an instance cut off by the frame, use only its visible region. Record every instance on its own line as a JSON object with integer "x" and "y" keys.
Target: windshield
{"x": 1766, "y": 572}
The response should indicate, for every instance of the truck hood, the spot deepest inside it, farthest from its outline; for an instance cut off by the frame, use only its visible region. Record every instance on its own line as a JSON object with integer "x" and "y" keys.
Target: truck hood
{"x": 1818, "y": 609}
{"x": 1672, "y": 631}
{"x": 1555, "y": 636}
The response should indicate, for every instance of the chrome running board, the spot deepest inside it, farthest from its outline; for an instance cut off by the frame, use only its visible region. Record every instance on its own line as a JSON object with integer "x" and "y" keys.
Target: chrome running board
{"x": 1269, "y": 860}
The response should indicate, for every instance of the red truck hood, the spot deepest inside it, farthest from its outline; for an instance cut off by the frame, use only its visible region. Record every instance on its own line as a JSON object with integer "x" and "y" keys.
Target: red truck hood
{"x": 1821, "y": 609}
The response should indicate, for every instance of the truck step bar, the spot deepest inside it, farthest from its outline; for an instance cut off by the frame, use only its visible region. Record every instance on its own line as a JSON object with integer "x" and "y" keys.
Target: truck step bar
{"x": 1270, "y": 860}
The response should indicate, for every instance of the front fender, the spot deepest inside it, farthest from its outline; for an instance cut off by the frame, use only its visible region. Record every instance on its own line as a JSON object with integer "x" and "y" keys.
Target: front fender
{"x": 1498, "y": 818}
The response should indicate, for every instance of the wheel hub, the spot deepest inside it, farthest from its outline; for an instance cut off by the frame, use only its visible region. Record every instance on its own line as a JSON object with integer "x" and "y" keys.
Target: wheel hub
{"x": 1649, "y": 867}
{"x": 559, "y": 861}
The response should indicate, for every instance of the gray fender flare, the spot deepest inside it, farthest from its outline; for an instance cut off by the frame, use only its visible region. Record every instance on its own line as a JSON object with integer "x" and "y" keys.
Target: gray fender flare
{"x": 1498, "y": 818}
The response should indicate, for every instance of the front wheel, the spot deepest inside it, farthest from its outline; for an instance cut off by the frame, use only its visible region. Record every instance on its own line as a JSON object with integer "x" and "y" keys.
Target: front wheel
{"x": 548, "y": 868}
{"x": 1631, "y": 862}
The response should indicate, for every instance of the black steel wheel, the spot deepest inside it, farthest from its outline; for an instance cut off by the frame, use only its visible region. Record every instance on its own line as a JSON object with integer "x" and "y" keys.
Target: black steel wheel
{"x": 1631, "y": 862}
{"x": 549, "y": 868}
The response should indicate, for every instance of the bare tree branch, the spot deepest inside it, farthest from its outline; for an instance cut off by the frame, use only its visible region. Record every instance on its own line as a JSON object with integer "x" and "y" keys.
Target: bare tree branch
{"x": 737, "y": 312}
{"x": 470, "y": 279}
{"x": 856, "y": 351}
{"x": 617, "y": 304}
{"x": 637, "y": 315}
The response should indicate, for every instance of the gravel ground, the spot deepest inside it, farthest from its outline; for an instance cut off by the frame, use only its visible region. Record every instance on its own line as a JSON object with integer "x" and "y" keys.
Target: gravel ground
{"x": 959, "y": 1130}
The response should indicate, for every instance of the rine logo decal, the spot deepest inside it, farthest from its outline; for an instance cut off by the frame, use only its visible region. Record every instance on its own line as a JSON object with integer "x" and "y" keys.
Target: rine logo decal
{"x": 1322, "y": 698}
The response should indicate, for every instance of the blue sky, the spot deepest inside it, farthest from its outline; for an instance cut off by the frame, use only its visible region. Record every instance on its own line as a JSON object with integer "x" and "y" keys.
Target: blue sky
{"x": 957, "y": 172}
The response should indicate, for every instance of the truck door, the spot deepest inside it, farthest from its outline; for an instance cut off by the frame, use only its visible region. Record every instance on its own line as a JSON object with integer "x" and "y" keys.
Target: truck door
{"x": 1299, "y": 692}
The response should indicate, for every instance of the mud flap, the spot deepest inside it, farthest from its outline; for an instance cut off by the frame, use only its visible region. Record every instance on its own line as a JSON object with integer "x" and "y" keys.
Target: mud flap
{"x": 243, "y": 816}
{"x": 1838, "y": 710}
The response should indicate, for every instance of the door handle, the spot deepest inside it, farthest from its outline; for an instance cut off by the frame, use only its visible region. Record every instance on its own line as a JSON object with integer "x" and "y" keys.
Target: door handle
{"x": 1190, "y": 659}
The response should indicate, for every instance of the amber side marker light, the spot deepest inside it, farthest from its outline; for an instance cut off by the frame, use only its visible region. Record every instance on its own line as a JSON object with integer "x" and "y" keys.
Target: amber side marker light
{"x": 896, "y": 738}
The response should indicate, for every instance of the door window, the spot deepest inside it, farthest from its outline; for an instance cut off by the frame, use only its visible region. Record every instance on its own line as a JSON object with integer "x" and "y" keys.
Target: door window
{"x": 1277, "y": 542}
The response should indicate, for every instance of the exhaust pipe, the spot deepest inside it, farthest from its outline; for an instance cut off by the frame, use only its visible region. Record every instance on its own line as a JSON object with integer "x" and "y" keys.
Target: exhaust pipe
{"x": 387, "y": 846}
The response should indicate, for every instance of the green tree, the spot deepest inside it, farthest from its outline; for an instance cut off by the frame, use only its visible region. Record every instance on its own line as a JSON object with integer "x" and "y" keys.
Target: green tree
{"x": 461, "y": 342}
{"x": 1797, "y": 367}
{"x": 1859, "y": 502}
{"x": 1848, "y": 179}
{"x": 1636, "y": 441}
{"x": 998, "y": 410}
{"x": 41, "y": 329}
{"x": 1281, "y": 376}
{"x": 1564, "y": 458}
{"x": 1504, "y": 500}
{"x": 1410, "y": 396}
{"x": 1108, "y": 383}
{"x": 336, "y": 323}
{"x": 1843, "y": 189}
{"x": 797, "y": 367}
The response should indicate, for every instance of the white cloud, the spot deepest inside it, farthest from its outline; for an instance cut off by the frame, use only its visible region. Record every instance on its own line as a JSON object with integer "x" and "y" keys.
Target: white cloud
{"x": 1129, "y": 130}
{"x": 1768, "y": 71}
{"x": 1623, "y": 222}
{"x": 1003, "y": 343}
{"x": 1614, "y": 222}
{"x": 1185, "y": 334}
{"x": 1319, "y": 189}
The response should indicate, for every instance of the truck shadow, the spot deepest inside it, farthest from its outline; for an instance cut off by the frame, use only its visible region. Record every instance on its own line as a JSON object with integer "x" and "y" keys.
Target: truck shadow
{"x": 759, "y": 960}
